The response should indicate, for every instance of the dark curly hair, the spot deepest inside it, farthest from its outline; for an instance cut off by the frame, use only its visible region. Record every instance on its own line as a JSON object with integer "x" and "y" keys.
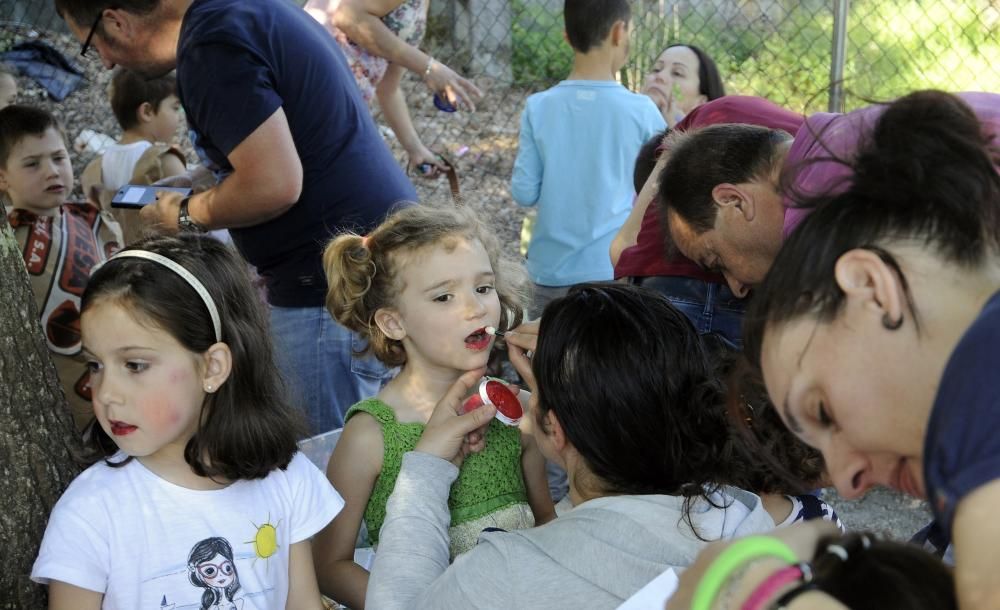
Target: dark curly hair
{"x": 778, "y": 462}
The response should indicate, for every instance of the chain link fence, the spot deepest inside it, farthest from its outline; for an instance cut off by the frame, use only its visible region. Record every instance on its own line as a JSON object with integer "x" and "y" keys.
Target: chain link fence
{"x": 779, "y": 49}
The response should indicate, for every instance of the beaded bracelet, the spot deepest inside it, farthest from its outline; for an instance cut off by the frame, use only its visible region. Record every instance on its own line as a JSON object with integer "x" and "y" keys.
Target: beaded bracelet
{"x": 732, "y": 558}
{"x": 774, "y": 583}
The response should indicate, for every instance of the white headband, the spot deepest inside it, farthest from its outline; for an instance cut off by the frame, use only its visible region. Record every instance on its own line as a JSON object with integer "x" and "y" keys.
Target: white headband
{"x": 184, "y": 273}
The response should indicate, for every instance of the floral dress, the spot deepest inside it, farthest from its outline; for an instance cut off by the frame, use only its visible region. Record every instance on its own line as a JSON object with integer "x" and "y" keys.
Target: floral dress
{"x": 408, "y": 21}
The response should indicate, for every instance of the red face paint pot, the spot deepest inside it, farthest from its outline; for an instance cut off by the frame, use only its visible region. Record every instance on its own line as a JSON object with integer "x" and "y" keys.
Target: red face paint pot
{"x": 495, "y": 392}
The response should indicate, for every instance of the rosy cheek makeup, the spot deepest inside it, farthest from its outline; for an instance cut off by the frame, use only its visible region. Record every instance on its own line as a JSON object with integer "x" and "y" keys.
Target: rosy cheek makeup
{"x": 496, "y": 392}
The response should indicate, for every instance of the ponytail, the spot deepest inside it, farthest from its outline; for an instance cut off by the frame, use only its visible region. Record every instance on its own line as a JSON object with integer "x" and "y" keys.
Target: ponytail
{"x": 929, "y": 173}
{"x": 354, "y": 296}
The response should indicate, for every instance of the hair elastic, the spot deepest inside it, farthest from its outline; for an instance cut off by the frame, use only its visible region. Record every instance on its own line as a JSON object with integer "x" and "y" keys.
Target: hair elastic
{"x": 774, "y": 583}
{"x": 837, "y": 551}
{"x": 787, "y": 598}
{"x": 734, "y": 556}
{"x": 185, "y": 274}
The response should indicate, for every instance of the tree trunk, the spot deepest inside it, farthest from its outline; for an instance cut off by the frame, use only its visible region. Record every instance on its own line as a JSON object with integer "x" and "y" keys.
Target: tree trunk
{"x": 36, "y": 431}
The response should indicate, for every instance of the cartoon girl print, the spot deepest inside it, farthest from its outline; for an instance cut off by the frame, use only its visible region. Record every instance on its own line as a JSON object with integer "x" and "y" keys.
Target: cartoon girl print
{"x": 211, "y": 567}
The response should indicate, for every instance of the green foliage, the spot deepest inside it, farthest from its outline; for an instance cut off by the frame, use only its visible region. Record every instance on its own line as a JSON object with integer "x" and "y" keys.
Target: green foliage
{"x": 782, "y": 51}
{"x": 541, "y": 57}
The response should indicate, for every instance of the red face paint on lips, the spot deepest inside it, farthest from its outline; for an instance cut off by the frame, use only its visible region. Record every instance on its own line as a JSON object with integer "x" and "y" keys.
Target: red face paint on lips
{"x": 121, "y": 428}
{"x": 495, "y": 392}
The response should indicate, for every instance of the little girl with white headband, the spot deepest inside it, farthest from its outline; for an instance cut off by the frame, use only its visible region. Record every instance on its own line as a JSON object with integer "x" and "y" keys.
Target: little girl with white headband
{"x": 198, "y": 497}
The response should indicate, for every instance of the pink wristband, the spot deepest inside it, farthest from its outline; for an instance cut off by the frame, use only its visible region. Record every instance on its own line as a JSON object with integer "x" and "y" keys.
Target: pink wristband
{"x": 775, "y": 582}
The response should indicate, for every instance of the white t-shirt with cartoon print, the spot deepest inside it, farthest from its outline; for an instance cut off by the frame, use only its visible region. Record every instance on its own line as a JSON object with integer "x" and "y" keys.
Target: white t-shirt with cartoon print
{"x": 148, "y": 544}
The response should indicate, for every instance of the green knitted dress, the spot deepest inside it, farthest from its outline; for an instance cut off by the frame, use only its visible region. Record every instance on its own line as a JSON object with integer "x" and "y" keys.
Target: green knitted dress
{"x": 489, "y": 491}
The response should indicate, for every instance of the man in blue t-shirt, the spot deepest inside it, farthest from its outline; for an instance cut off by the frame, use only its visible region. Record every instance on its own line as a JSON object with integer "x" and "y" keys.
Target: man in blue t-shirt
{"x": 275, "y": 113}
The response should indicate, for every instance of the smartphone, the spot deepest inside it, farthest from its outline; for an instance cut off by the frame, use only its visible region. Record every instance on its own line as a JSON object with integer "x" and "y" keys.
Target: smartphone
{"x": 134, "y": 196}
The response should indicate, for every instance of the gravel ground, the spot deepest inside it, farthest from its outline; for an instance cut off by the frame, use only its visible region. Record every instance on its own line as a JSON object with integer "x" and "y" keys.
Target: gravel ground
{"x": 482, "y": 145}
{"x": 882, "y": 511}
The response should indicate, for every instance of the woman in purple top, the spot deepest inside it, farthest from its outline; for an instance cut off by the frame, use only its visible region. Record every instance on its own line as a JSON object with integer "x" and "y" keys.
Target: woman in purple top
{"x": 877, "y": 331}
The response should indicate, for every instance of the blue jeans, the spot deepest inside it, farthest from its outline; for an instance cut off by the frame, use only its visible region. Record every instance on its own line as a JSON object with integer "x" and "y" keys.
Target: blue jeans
{"x": 712, "y": 308}
{"x": 317, "y": 357}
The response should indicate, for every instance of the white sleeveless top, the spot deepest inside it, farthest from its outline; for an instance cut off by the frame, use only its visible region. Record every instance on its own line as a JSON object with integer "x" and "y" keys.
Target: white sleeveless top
{"x": 118, "y": 163}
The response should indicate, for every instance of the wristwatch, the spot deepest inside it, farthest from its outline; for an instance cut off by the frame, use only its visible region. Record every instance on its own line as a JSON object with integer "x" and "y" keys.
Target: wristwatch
{"x": 184, "y": 220}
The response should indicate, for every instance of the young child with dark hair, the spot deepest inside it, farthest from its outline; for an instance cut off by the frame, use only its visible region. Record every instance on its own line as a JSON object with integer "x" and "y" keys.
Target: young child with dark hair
{"x": 792, "y": 468}
{"x": 8, "y": 86}
{"x": 148, "y": 112}
{"x": 578, "y": 144}
{"x": 198, "y": 497}
{"x": 60, "y": 241}
{"x": 422, "y": 289}
{"x": 778, "y": 467}
{"x": 863, "y": 572}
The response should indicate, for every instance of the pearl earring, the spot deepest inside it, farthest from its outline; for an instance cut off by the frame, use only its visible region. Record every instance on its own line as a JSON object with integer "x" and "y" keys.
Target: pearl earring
{"x": 208, "y": 389}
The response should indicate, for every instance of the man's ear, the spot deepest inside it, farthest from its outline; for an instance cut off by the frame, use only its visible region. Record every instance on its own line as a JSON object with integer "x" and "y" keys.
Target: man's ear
{"x": 734, "y": 198}
{"x": 871, "y": 285}
{"x": 390, "y": 323}
{"x": 218, "y": 360}
{"x": 118, "y": 24}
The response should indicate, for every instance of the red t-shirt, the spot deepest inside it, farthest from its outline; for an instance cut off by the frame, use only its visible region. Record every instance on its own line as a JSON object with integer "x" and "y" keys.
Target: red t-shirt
{"x": 646, "y": 258}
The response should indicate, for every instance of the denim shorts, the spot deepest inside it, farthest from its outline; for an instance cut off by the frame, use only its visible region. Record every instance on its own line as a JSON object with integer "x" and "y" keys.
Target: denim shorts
{"x": 712, "y": 308}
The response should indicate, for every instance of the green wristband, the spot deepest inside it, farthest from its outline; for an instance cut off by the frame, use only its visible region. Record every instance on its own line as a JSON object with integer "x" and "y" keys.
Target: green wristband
{"x": 732, "y": 558}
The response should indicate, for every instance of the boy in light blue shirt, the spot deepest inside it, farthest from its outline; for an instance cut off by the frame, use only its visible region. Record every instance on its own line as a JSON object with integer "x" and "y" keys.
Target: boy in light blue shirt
{"x": 577, "y": 149}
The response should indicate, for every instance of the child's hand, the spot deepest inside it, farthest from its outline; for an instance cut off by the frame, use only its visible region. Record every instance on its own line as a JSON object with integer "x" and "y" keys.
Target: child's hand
{"x": 451, "y": 436}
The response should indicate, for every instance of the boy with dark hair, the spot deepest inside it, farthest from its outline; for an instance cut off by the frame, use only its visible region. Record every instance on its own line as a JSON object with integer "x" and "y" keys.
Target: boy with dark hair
{"x": 588, "y": 22}
{"x": 577, "y": 149}
{"x": 61, "y": 241}
{"x": 148, "y": 112}
{"x": 137, "y": 102}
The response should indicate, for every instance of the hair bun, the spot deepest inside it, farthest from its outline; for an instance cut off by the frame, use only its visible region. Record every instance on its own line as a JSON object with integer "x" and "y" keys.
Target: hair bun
{"x": 927, "y": 156}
